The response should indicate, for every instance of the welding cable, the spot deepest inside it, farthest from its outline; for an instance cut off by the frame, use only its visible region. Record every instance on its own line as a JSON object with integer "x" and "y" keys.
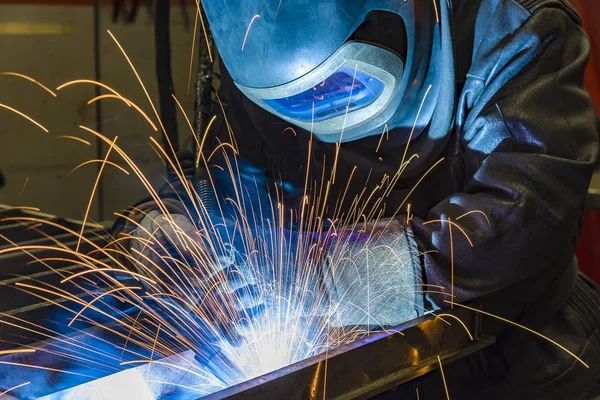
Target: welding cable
{"x": 203, "y": 111}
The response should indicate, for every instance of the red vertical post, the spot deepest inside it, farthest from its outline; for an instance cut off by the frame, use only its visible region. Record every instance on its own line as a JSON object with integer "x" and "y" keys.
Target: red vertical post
{"x": 588, "y": 251}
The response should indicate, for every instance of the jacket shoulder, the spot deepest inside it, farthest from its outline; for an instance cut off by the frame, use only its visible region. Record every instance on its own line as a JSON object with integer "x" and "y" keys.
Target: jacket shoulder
{"x": 533, "y": 5}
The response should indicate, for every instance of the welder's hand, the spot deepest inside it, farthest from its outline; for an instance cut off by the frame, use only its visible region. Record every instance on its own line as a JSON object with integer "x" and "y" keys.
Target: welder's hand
{"x": 205, "y": 274}
{"x": 156, "y": 236}
{"x": 372, "y": 275}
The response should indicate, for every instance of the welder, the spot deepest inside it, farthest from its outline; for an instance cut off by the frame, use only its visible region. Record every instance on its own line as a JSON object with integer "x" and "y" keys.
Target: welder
{"x": 492, "y": 87}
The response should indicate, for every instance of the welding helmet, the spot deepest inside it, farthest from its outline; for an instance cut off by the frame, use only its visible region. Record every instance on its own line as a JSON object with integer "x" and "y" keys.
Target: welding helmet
{"x": 342, "y": 69}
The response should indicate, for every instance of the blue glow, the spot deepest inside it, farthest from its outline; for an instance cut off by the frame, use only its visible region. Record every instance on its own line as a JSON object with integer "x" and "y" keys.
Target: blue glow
{"x": 346, "y": 88}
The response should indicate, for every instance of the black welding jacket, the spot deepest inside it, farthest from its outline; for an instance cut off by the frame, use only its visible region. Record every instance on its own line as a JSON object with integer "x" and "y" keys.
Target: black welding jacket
{"x": 515, "y": 128}
{"x": 516, "y": 131}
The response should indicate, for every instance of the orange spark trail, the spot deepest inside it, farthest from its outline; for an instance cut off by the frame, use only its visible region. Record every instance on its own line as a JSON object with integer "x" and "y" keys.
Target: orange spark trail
{"x": 129, "y": 103}
{"x": 199, "y": 155}
{"x": 24, "y": 116}
{"x": 178, "y": 171}
{"x": 75, "y": 138}
{"x": 476, "y": 212}
{"x": 443, "y": 378}
{"x": 6, "y": 352}
{"x": 204, "y": 30}
{"x": 451, "y": 262}
{"x": 139, "y": 276}
{"x": 415, "y": 124}
{"x": 78, "y": 81}
{"x": 152, "y": 354}
{"x": 184, "y": 114}
{"x": 459, "y": 320}
{"x": 30, "y": 79}
{"x": 24, "y": 186}
{"x": 437, "y": 15}
{"x": 522, "y": 327}
{"x": 87, "y": 211}
{"x": 98, "y": 298}
{"x": 451, "y": 223}
{"x": 99, "y": 161}
{"x": 13, "y": 388}
{"x": 192, "y": 55}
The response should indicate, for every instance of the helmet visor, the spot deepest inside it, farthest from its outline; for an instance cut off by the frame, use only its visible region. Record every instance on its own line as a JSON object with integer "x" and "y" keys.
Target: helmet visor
{"x": 344, "y": 91}
{"x": 349, "y": 89}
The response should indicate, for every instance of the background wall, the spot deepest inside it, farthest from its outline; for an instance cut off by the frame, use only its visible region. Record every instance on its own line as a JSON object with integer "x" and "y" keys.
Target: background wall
{"x": 54, "y": 44}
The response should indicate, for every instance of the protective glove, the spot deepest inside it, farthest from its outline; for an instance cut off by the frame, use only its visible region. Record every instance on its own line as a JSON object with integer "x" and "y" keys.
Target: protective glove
{"x": 202, "y": 275}
{"x": 372, "y": 275}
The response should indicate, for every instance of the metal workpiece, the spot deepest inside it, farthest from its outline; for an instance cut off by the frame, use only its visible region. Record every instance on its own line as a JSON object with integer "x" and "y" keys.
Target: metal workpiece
{"x": 372, "y": 365}
{"x": 92, "y": 358}
{"x": 362, "y": 369}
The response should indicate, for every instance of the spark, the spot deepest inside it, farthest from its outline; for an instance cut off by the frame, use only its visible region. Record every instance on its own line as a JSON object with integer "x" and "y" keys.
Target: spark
{"x": 522, "y": 327}
{"x": 27, "y": 208}
{"x": 43, "y": 368}
{"x": 135, "y": 73}
{"x": 135, "y": 274}
{"x": 89, "y": 81}
{"x": 87, "y": 211}
{"x": 451, "y": 262}
{"x": 14, "y": 387}
{"x": 24, "y": 116}
{"x": 415, "y": 124}
{"x": 16, "y": 351}
{"x": 178, "y": 171}
{"x": 100, "y": 297}
{"x": 199, "y": 12}
{"x": 419, "y": 181}
{"x": 199, "y": 155}
{"x": 476, "y": 212}
{"x": 386, "y": 133}
{"x": 254, "y": 18}
{"x": 192, "y": 53}
{"x": 129, "y": 104}
{"x": 100, "y": 161}
{"x": 30, "y": 79}
{"x": 338, "y": 145}
{"x": 24, "y": 186}
{"x": 443, "y": 378}
{"x": 437, "y": 15}
{"x": 75, "y": 138}
{"x": 184, "y": 114}
{"x": 459, "y": 320}
{"x": 451, "y": 223}
{"x": 153, "y": 350}
{"x": 221, "y": 146}
{"x": 289, "y": 128}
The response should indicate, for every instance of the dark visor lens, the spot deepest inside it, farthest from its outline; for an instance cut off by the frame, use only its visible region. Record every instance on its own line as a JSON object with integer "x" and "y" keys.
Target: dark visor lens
{"x": 347, "y": 89}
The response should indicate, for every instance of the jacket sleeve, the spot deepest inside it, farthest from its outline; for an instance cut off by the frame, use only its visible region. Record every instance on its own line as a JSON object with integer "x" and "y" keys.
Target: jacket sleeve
{"x": 527, "y": 128}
